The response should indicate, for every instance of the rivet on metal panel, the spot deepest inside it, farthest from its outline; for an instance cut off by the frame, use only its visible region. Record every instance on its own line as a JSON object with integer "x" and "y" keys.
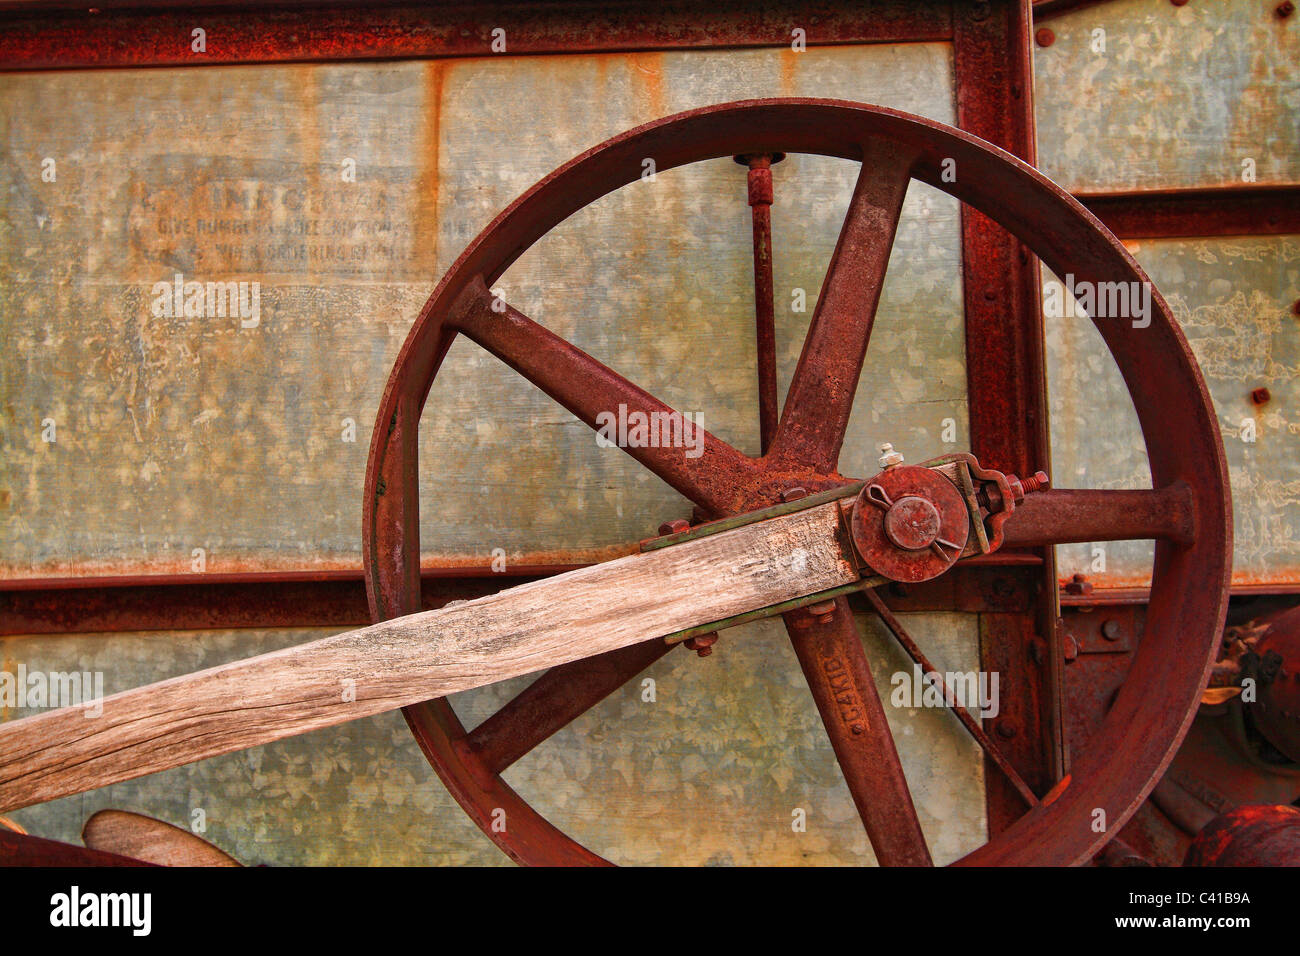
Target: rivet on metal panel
{"x": 1295, "y": 307}
{"x": 1070, "y": 647}
{"x": 1007, "y": 729}
{"x": 1112, "y": 630}
{"x": 1260, "y": 396}
{"x": 1045, "y": 37}
{"x": 1004, "y": 587}
{"x": 824, "y": 611}
{"x": 1284, "y": 9}
{"x": 794, "y": 494}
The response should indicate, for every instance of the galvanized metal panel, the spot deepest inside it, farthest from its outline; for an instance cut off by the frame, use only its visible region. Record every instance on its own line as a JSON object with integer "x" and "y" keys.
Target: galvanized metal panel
{"x": 711, "y": 771}
{"x": 1233, "y": 299}
{"x": 1178, "y": 96}
{"x": 182, "y": 433}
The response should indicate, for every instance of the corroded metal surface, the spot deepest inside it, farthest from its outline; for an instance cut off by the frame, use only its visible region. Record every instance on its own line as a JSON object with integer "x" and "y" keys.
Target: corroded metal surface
{"x": 76, "y": 36}
{"x": 1189, "y": 597}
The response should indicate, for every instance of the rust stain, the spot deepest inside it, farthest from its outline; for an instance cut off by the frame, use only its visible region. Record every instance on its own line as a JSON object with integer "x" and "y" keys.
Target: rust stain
{"x": 788, "y": 60}
{"x": 424, "y": 245}
{"x": 648, "y": 72}
{"x": 309, "y": 132}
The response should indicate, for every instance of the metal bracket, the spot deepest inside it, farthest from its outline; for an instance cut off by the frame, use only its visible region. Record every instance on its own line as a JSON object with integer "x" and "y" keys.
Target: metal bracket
{"x": 956, "y": 468}
{"x": 751, "y": 517}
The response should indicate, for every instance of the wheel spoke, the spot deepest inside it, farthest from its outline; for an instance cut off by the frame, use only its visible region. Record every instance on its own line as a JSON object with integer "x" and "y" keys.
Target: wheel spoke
{"x": 1060, "y": 516}
{"x": 835, "y": 665}
{"x": 555, "y": 699}
{"x": 820, "y": 399}
{"x": 697, "y": 464}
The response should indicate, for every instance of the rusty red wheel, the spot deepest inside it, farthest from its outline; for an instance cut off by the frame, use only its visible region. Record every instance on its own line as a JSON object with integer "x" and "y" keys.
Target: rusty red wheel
{"x": 1186, "y": 512}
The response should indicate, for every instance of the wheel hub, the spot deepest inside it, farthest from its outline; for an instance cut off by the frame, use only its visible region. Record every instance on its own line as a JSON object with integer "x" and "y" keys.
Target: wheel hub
{"x": 910, "y": 524}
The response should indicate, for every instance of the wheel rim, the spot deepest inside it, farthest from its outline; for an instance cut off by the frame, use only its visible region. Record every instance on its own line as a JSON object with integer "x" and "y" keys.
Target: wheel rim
{"x": 1189, "y": 582}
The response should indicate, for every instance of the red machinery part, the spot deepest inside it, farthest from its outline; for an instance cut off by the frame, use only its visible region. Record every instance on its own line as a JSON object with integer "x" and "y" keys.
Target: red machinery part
{"x": 1249, "y": 836}
{"x": 1188, "y": 512}
{"x": 1276, "y": 713}
{"x": 910, "y": 523}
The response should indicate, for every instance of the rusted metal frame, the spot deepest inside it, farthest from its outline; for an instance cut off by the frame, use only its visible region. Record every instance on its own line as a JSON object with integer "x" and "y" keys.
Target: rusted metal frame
{"x": 210, "y": 601}
{"x": 17, "y": 849}
{"x": 1270, "y": 210}
{"x": 1116, "y": 597}
{"x": 226, "y": 601}
{"x": 248, "y": 33}
{"x": 1006, "y": 387}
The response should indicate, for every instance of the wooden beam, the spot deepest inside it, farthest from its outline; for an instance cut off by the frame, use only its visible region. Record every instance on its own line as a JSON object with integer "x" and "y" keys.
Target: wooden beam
{"x": 430, "y": 654}
{"x": 153, "y": 841}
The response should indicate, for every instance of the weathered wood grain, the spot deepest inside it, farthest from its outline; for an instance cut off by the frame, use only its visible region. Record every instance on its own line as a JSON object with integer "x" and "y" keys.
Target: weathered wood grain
{"x": 144, "y": 838}
{"x": 420, "y": 656}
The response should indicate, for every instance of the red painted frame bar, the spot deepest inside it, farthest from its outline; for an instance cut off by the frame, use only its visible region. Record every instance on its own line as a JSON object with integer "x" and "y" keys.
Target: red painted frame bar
{"x": 1004, "y": 346}
{"x": 1271, "y": 210}
{"x": 59, "y": 39}
{"x": 180, "y": 602}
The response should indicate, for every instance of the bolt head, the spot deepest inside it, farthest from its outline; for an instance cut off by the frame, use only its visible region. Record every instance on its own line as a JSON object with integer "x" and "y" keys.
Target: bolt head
{"x": 674, "y": 526}
{"x": 912, "y": 523}
{"x": 1111, "y": 630}
{"x": 1078, "y": 585}
{"x": 888, "y": 457}
{"x": 824, "y": 610}
{"x": 702, "y": 644}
